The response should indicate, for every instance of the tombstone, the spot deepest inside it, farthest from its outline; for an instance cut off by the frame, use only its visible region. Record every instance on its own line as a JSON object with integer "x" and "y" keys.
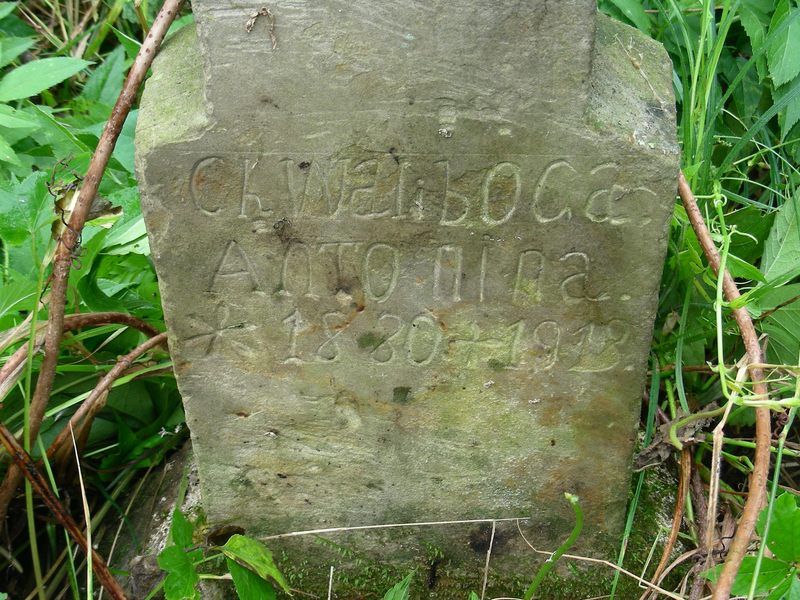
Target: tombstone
{"x": 409, "y": 255}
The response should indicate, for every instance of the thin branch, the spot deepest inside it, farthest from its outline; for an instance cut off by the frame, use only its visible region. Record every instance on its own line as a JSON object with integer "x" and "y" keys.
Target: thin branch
{"x": 94, "y": 402}
{"x": 758, "y": 479}
{"x": 26, "y": 465}
{"x": 13, "y": 367}
{"x": 69, "y": 242}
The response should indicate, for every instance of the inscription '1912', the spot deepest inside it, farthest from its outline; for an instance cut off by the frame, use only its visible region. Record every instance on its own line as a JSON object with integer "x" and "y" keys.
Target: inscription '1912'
{"x": 422, "y": 339}
{"x": 416, "y": 188}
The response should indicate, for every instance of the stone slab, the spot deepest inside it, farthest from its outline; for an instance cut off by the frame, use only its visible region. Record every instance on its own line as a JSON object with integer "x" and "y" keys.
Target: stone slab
{"x": 401, "y": 298}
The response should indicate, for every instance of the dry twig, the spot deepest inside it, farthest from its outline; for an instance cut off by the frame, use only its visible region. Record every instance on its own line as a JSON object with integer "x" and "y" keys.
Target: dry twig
{"x": 13, "y": 367}
{"x": 25, "y": 464}
{"x": 96, "y": 399}
{"x": 758, "y": 479}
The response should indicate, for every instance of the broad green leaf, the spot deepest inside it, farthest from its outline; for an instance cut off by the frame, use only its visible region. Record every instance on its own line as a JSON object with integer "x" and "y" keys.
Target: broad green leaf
{"x": 779, "y": 592}
{"x": 182, "y": 578}
{"x": 741, "y": 269}
{"x": 105, "y": 82}
{"x": 25, "y": 208}
{"x": 794, "y": 589}
{"x": 400, "y": 591}
{"x": 16, "y": 119}
{"x": 249, "y": 586}
{"x": 783, "y": 54}
{"x": 634, "y": 11}
{"x": 255, "y": 555}
{"x": 181, "y": 530}
{"x": 6, "y": 8}
{"x": 783, "y": 538}
{"x": 783, "y": 325}
{"x": 474, "y": 596}
{"x": 772, "y": 573}
{"x": 7, "y": 153}
{"x": 38, "y": 75}
{"x": 782, "y": 248}
{"x": 12, "y": 47}
{"x": 130, "y": 237}
{"x": 17, "y": 295}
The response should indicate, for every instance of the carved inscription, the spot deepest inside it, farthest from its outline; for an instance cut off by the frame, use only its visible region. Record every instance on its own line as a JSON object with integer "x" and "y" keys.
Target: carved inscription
{"x": 424, "y": 300}
{"x": 417, "y": 188}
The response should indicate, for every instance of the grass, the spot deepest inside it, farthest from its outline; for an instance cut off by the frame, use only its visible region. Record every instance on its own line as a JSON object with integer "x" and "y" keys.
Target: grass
{"x": 737, "y": 84}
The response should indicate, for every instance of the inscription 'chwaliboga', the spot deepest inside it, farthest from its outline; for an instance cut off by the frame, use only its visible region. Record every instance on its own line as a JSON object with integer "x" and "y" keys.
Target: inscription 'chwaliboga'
{"x": 418, "y": 188}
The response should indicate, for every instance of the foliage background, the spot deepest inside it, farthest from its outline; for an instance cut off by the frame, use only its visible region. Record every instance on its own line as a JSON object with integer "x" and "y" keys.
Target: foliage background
{"x": 62, "y": 63}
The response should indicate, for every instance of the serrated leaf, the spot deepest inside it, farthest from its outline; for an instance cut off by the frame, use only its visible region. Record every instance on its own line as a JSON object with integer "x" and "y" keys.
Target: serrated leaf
{"x": 400, "y": 591}
{"x": 634, "y": 12}
{"x": 755, "y": 21}
{"x": 12, "y": 47}
{"x": 782, "y": 248}
{"x": 180, "y": 530}
{"x": 105, "y": 82}
{"x": 783, "y": 53}
{"x": 249, "y": 586}
{"x": 783, "y": 325}
{"x": 182, "y": 578}
{"x": 255, "y": 555}
{"x": 38, "y": 75}
{"x": 783, "y": 538}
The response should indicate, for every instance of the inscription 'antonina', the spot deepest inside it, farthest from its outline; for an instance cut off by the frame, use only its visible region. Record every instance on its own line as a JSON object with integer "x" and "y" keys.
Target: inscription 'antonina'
{"x": 418, "y": 188}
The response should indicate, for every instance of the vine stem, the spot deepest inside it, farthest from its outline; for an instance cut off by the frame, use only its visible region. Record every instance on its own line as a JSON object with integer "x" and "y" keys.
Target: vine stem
{"x": 758, "y": 480}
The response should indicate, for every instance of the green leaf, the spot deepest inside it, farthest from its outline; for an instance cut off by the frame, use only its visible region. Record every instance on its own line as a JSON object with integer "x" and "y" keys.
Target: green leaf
{"x": 7, "y": 153}
{"x": 181, "y": 530}
{"x": 782, "y": 248}
{"x": 772, "y": 573}
{"x": 128, "y": 238}
{"x": 16, "y": 119}
{"x": 249, "y": 586}
{"x": 791, "y": 115}
{"x": 25, "y": 208}
{"x": 741, "y": 269}
{"x": 634, "y": 11}
{"x": 783, "y": 325}
{"x": 755, "y": 19}
{"x": 105, "y": 82}
{"x": 783, "y": 538}
{"x": 34, "y": 77}
{"x": 182, "y": 578}
{"x": 794, "y": 588}
{"x": 400, "y": 591}
{"x": 783, "y": 54}
{"x": 12, "y": 47}
{"x": 6, "y": 8}
{"x": 131, "y": 45}
{"x": 255, "y": 555}
{"x": 473, "y": 596}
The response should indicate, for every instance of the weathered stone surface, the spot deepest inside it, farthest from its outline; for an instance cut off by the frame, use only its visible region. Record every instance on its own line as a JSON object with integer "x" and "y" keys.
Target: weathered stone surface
{"x": 409, "y": 261}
